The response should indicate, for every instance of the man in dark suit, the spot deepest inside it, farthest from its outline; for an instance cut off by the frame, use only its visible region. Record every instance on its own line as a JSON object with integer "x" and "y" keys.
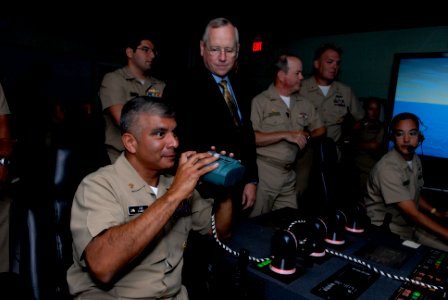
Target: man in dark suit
{"x": 204, "y": 117}
{"x": 208, "y": 116}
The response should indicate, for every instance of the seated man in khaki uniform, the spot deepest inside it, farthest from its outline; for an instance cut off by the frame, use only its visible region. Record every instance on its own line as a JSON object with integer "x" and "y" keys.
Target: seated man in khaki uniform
{"x": 394, "y": 188}
{"x": 130, "y": 220}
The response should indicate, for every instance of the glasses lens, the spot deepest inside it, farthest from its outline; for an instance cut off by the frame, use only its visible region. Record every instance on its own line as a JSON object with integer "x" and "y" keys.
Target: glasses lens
{"x": 148, "y": 50}
{"x": 215, "y": 51}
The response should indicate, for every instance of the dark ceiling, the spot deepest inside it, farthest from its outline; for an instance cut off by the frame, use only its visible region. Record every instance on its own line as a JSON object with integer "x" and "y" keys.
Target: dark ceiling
{"x": 290, "y": 23}
{"x": 102, "y": 33}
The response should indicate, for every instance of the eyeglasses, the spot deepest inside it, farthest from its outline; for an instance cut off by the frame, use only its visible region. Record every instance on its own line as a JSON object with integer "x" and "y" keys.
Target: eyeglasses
{"x": 147, "y": 50}
{"x": 411, "y": 133}
{"x": 215, "y": 51}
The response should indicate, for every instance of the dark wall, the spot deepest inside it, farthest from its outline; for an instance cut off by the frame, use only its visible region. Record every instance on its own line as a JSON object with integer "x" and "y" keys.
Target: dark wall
{"x": 368, "y": 57}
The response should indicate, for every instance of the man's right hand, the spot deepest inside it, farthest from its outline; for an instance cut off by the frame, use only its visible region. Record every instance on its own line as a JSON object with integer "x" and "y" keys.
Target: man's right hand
{"x": 192, "y": 166}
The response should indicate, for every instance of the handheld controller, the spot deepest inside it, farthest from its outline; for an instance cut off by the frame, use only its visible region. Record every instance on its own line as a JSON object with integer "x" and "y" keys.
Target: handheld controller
{"x": 229, "y": 172}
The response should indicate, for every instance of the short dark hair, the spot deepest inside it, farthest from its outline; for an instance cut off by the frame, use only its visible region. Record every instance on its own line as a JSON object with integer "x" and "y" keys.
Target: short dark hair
{"x": 133, "y": 41}
{"x": 324, "y": 47}
{"x": 366, "y": 101}
{"x": 143, "y": 104}
{"x": 404, "y": 116}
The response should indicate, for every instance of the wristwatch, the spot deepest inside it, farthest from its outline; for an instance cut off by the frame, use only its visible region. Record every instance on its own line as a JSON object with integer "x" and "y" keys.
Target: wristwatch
{"x": 4, "y": 161}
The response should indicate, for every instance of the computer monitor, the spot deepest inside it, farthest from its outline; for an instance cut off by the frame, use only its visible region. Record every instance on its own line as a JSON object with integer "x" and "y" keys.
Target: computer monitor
{"x": 419, "y": 84}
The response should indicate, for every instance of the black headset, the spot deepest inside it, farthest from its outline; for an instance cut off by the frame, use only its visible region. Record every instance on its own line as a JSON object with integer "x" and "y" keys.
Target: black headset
{"x": 405, "y": 116}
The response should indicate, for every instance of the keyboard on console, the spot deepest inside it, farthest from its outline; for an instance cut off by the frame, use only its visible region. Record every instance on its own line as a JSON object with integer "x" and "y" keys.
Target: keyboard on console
{"x": 431, "y": 271}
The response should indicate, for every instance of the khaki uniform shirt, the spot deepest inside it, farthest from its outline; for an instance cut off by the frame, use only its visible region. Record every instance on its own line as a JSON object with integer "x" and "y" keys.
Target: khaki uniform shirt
{"x": 332, "y": 107}
{"x": 392, "y": 181}
{"x": 118, "y": 87}
{"x": 270, "y": 114}
{"x": 277, "y": 179}
{"x": 115, "y": 195}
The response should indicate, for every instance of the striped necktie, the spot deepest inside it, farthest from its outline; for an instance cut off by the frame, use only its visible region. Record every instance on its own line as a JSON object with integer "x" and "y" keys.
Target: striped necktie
{"x": 230, "y": 102}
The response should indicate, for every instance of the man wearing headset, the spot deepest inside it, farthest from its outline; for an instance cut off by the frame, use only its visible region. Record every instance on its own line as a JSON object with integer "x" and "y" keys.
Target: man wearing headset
{"x": 394, "y": 188}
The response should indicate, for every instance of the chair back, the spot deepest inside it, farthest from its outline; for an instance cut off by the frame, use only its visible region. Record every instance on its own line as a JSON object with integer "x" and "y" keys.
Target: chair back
{"x": 46, "y": 245}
